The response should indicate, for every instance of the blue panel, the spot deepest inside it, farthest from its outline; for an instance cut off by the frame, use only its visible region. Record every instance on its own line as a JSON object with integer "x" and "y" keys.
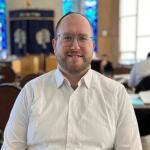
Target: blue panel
{"x": 90, "y": 8}
{"x": 2, "y": 1}
{"x": 90, "y": 11}
{"x": 3, "y": 37}
{"x": 67, "y": 6}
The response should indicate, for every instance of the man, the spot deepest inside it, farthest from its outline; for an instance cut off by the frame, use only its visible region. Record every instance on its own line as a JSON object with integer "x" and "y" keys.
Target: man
{"x": 72, "y": 107}
{"x": 106, "y": 66}
{"x": 139, "y": 71}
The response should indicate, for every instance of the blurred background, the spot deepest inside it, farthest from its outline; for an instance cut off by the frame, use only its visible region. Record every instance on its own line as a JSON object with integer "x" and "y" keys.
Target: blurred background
{"x": 121, "y": 27}
{"x": 121, "y": 34}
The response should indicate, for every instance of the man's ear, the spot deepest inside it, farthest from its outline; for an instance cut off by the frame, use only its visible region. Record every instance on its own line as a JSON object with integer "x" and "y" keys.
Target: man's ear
{"x": 54, "y": 44}
{"x": 94, "y": 45}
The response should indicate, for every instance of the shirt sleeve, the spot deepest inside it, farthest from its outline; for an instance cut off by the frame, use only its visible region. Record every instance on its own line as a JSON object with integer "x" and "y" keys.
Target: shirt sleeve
{"x": 132, "y": 80}
{"x": 127, "y": 132}
{"x": 15, "y": 134}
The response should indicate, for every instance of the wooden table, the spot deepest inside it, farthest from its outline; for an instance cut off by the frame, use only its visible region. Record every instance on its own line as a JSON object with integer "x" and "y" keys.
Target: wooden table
{"x": 143, "y": 118}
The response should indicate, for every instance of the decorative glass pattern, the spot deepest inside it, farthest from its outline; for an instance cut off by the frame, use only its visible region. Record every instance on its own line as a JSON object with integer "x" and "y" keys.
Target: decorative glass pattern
{"x": 3, "y": 37}
{"x": 67, "y": 6}
{"x": 89, "y": 8}
{"x": 90, "y": 11}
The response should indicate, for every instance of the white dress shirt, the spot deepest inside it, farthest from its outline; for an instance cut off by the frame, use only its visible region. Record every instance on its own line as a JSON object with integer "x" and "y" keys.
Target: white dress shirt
{"x": 139, "y": 70}
{"x": 49, "y": 115}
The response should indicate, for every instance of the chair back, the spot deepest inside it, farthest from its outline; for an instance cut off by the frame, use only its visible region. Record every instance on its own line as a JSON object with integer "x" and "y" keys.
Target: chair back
{"x": 121, "y": 70}
{"x": 27, "y": 78}
{"x": 7, "y": 74}
{"x": 8, "y": 94}
{"x": 144, "y": 85}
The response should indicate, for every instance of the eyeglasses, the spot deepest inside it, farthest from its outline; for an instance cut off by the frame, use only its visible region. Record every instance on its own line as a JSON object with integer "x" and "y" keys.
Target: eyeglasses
{"x": 69, "y": 38}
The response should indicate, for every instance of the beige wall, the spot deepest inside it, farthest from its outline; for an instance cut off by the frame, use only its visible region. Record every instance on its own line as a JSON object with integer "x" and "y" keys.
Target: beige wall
{"x": 108, "y": 29}
{"x": 39, "y": 4}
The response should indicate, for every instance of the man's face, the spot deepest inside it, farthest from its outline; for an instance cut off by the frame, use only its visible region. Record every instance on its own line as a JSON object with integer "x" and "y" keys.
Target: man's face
{"x": 74, "y": 46}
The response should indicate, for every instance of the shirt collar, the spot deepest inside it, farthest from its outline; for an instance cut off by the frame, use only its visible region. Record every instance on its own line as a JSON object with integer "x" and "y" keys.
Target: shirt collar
{"x": 59, "y": 78}
{"x": 86, "y": 79}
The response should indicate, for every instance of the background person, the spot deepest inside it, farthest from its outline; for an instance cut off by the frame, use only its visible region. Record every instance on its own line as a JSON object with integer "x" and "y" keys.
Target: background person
{"x": 106, "y": 66}
{"x": 139, "y": 71}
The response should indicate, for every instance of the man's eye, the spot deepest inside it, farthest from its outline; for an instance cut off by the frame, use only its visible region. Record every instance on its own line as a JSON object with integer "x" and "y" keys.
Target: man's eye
{"x": 83, "y": 38}
{"x": 67, "y": 37}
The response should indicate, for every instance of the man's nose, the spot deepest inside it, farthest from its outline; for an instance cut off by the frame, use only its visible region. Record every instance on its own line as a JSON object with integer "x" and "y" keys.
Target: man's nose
{"x": 75, "y": 43}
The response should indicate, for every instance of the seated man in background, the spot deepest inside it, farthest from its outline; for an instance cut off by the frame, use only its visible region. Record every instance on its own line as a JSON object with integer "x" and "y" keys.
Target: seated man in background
{"x": 106, "y": 66}
{"x": 139, "y": 71}
{"x": 72, "y": 107}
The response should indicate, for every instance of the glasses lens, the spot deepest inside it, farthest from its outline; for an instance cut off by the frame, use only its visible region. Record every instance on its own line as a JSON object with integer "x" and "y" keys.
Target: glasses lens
{"x": 69, "y": 38}
{"x": 83, "y": 38}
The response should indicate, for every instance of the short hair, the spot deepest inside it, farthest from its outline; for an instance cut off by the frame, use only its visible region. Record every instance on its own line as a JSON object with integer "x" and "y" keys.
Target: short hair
{"x": 148, "y": 55}
{"x": 67, "y": 14}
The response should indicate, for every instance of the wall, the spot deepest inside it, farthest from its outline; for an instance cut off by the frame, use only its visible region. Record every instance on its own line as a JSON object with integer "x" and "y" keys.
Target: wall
{"x": 39, "y": 4}
{"x": 108, "y": 29}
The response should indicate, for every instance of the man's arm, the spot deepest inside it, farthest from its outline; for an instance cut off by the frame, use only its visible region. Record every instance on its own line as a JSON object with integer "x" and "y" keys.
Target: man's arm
{"x": 132, "y": 79}
{"x": 15, "y": 134}
{"x": 127, "y": 132}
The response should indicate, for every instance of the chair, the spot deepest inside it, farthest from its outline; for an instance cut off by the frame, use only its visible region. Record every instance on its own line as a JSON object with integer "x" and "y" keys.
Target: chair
{"x": 144, "y": 85}
{"x": 8, "y": 74}
{"x": 27, "y": 78}
{"x": 95, "y": 65}
{"x": 8, "y": 94}
{"x": 121, "y": 70}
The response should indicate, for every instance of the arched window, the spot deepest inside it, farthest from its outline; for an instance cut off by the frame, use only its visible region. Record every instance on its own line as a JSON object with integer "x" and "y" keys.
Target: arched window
{"x": 3, "y": 37}
{"x": 87, "y": 7}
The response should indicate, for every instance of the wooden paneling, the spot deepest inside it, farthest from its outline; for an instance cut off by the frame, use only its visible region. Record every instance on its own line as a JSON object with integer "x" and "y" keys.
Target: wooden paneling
{"x": 51, "y": 63}
{"x": 34, "y": 64}
{"x": 108, "y": 29}
{"x": 27, "y": 65}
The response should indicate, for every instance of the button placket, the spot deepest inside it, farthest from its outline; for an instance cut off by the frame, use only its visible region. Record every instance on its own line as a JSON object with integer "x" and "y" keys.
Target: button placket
{"x": 70, "y": 128}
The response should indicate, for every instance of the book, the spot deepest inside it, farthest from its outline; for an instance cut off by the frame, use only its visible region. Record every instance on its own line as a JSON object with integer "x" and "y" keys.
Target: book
{"x": 145, "y": 96}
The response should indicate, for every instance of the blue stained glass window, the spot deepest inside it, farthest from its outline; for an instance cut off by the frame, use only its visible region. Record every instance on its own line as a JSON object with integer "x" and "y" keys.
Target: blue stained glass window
{"x": 90, "y": 11}
{"x": 3, "y": 37}
{"x": 89, "y": 8}
{"x": 67, "y": 6}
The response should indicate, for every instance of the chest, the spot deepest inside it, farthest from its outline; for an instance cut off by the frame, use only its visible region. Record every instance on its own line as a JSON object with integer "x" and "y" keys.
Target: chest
{"x": 72, "y": 119}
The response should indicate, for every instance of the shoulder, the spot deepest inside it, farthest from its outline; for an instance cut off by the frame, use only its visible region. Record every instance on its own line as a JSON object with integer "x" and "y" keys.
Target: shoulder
{"x": 109, "y": 91}
{"x": 105, "y": 83}
{"x": 142, "y": 63}
{"x": 42, "y": 81}
{"x": 38, "y": 88}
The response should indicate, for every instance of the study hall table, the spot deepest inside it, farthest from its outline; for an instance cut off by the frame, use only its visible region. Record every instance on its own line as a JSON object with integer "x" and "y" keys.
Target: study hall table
{"x": 143, "y": 118}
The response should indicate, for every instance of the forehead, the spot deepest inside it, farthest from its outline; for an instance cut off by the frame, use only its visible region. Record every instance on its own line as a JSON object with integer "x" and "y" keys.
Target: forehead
{"x": 75, "y": 23}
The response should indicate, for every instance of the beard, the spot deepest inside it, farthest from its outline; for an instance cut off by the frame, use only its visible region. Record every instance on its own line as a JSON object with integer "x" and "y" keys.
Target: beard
{"x": 74, "y": 63}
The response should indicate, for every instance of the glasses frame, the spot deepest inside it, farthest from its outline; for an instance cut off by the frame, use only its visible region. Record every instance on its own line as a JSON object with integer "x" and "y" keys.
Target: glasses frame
{"x": 82, "y": 39}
